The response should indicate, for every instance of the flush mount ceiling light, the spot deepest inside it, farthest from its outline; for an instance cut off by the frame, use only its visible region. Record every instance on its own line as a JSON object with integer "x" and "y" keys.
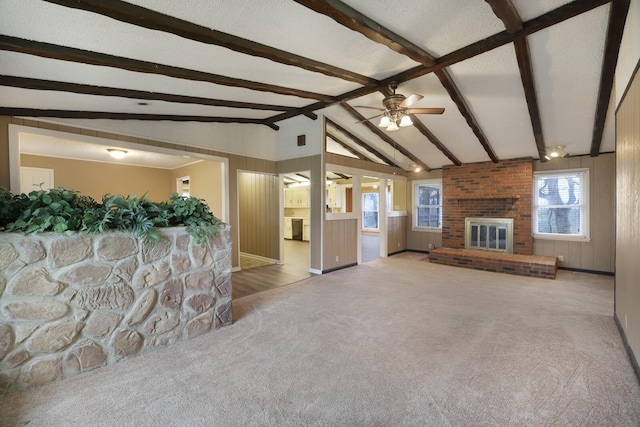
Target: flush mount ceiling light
{"x": 556, "y": 152}
{"x": 117, "y": 153}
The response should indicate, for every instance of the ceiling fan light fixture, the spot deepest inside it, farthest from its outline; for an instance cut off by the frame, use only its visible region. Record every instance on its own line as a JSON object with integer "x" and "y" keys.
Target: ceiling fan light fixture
{"x": 117, "y": 153}
{"x": 384, "y": 122}
{"x": 393, "y": 126}
{"x": 405, "y": 121}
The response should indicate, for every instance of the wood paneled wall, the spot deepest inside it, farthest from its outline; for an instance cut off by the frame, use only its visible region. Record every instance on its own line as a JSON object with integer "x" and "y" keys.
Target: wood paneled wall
{"x": 420, "y": 240}
{"x": 396, "y": 234}
{"x": 340, "y": 243}
{"x": 599, "y": 253}
{"x": 259, "y": 222}
{"x": 627, "y": 290}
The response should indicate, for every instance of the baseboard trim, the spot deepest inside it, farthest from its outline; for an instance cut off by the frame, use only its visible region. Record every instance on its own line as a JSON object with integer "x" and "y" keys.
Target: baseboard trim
{"x": 397, "y": 252}
{"x": 329, "y": 270}
{"x": 582, "y": 270}
{"x": 259, "y": 258}
{"x": 632, "y": 357}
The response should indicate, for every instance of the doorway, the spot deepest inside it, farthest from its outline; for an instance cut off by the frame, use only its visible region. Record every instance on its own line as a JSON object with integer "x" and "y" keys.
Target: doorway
{"x": 183, "y": 186}
{"x": 296, "y": 219}
{"x": 370, "y": 231}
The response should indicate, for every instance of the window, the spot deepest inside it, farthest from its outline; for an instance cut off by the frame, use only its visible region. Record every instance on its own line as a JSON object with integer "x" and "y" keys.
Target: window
{"x": 427, "y": 196}
{"x": 370, "y": 211}
{"x": 561, "y": 209}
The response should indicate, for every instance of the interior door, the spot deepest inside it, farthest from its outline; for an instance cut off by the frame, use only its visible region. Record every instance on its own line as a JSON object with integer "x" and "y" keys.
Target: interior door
{"x": 32, "y": 179}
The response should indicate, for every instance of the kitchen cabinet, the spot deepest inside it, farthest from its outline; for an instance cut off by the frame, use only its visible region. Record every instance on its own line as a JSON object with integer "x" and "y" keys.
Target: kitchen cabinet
{"x": 296, "y": 197}
{"x": 288, "y": 229}
{"x": 335, "y": 195}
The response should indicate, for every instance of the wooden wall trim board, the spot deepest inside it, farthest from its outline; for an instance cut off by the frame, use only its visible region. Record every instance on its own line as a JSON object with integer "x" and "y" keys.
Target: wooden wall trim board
{"x": 627, "y": 236}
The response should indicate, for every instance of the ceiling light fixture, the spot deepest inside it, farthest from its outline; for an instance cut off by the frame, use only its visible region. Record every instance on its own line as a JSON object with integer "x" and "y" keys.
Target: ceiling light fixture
{"x": 394, "y": 119}
{"x": 117, "y": 153}
{"x": 556, "y": 152}
{"x": 405, "y": 121}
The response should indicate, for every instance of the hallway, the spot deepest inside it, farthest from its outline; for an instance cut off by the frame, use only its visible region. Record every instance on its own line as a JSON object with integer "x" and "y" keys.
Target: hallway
{"x": 259, "y": 279}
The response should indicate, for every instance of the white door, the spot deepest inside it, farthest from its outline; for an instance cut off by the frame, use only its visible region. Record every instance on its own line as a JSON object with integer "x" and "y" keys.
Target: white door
{"x": 32, "y": 179}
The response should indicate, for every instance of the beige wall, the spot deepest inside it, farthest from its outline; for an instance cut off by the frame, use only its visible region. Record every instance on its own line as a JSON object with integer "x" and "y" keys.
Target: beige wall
{"x": 627, "y": 289}
{"x": 96, "y": 179}
{"x": 4, "y": 152}
{"x": 599, "y": 253}
{"x": 399, "y": 196}
{"x": 420, "y": 240}
{"x": 205, "y": 183}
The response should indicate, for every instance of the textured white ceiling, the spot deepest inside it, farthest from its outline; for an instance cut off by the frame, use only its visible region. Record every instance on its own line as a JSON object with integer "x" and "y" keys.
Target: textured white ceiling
{"x": 566, "y": 58}
{"x": 45, "y": 145}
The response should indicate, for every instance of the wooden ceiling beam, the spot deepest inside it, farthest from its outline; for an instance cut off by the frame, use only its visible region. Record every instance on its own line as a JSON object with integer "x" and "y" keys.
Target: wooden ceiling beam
{"x": 48, "y": 50}
{"x": 364, "y": 145}
{"x": 29, "y": 83}
{"x": 526, "y": 75}
{"x": 447, "y": 82}
{"x": 617, "y": 17}
{"x": 74, "y": 114}
{"x": 508, "y": 14}
{"x": 553, "y": 17}
{"x": 382, "y": 135}
{"x": 147, "y": 18}
{"x": 417, "y": 123}
{"x": 351, "y": 18}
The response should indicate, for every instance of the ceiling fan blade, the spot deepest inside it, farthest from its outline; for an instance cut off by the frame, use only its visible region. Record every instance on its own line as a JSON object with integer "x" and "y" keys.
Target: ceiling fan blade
{"x": 411, "y": 99}
{"x": 371, "y": 108}
{"x": 425, "y": 110}
{"x": 370, "y": 118}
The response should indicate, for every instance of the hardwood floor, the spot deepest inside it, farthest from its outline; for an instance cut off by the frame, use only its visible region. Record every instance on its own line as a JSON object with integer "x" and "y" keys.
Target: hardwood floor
{"x": 295, "y": 267}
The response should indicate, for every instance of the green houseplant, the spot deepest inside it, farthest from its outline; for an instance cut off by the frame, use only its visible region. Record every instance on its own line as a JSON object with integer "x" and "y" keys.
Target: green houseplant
{"x": 66, "y": 211}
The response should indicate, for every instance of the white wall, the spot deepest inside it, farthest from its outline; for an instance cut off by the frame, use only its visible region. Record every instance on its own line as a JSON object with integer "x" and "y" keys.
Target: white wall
{"x": 287, "y": 137}
{"x": 629, "y": 50}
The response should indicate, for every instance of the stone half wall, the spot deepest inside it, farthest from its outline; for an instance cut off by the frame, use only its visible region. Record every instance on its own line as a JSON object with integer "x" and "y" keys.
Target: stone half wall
{"x": 72, "y": 304}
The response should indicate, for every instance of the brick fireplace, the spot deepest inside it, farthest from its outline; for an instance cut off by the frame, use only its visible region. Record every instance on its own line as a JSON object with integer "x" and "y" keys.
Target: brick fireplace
{"x": 488, "y": 190}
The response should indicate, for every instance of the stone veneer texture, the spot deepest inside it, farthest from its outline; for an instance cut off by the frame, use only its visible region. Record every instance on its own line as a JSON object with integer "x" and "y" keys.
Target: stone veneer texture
{"x": 72, "y": 304}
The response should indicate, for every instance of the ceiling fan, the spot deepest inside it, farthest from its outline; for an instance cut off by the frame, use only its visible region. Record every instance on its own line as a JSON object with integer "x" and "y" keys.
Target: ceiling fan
{"x": 395, "y": 113}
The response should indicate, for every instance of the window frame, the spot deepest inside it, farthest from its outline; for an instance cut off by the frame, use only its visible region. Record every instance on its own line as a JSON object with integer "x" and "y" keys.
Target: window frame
{"x": 377, "y": 195}
{"x": 585, "y": 235}
{"x": 415, "y": 190}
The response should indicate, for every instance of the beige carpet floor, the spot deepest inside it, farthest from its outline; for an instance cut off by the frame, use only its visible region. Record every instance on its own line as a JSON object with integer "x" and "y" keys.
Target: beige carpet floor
{"x": 393, "y": 342}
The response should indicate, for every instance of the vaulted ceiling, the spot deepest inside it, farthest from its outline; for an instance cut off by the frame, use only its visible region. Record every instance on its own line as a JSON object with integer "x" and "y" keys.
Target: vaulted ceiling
{"x": 514, "y": 76}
